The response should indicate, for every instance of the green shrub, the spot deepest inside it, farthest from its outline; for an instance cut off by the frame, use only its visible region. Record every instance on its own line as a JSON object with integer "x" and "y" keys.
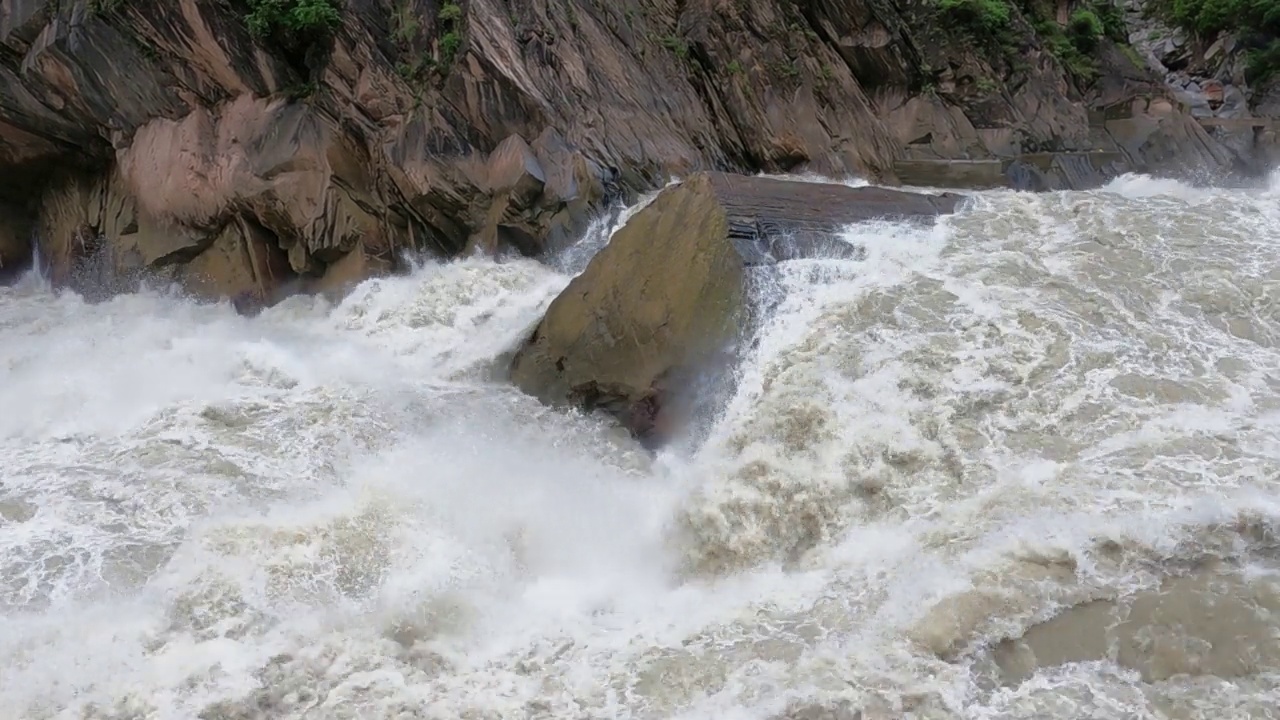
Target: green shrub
{"x": 1112, "y": 17}
{"x": 1257, "y": 22}
{"x": 1076, "y": 44}
{"x": 989, "y": 17}
{"x": 1207, "y": 17}
{"x": 293, "y": 21}
{"x": 450, "y": 12}
{"x": 676, "y": 45}
{"x": 449, "y": 23}
{"x": 1263, "y": 64}
{"x": 1063, "y": 45}
{"x": 1084, "y": 30}
{"x": 449, "y": 44}
{"x": 1133, "y": 56}
{"x": 404, "y": 23}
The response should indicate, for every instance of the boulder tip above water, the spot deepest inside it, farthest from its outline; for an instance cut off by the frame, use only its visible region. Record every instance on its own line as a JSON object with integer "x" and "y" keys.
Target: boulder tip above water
{"x": 659, "y": 305}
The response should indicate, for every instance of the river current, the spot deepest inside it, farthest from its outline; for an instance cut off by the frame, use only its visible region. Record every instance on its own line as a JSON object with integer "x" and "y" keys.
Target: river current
{"x": 1021, "y": 464}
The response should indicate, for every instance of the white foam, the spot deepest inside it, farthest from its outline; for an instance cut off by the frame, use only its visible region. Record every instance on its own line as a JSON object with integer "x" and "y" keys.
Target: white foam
{"x": 333, "y": 511}
{"x": 1137, "y": 186}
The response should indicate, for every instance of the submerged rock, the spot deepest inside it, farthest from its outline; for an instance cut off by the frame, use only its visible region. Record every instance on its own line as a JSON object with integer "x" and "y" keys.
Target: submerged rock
{"x": 658, "y": 309}
{"x": 1216, "y": 621}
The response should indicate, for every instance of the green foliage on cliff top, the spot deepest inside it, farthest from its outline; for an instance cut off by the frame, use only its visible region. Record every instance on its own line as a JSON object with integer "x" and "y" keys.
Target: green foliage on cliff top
{"x": 990, "y": 17}
{"x": 1085, "y": 30}
{"x": 1263, "y": 63}
{"x": 294, "y": 30}
{"x": 450, "y": 12}
{"x": 1072, "y": 46}
{"x": 993, "y": 22}
{"x": 299, "y": 20}
{"x": 1113, "y": 23}
{"x": 450, "y": 21}
{"x": 1208, "y": 17}
{"x": 1256, "y": 21}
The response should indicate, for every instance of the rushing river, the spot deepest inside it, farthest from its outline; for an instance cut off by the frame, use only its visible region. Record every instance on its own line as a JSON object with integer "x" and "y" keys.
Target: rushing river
{"x": 1023, "y": 464}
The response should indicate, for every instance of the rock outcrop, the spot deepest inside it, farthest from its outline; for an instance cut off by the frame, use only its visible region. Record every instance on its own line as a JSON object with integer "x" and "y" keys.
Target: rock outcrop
{"x": 1209, "y": 77}
{"x": 771, "y": 219}
{"x": 659, "y": 305}
{"x": 304, "y": 145}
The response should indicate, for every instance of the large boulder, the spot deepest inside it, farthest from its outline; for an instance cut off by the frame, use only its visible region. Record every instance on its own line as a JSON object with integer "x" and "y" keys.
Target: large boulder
{"x": 655, "y": 309}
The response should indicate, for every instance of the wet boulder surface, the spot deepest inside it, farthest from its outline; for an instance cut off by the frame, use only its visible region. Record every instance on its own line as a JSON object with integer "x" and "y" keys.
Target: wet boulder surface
{"x": 651, "y": 326}
{"x": 137, "y": 137}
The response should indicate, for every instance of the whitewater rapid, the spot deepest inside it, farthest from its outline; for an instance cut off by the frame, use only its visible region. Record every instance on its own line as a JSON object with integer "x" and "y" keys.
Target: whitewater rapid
{"x": 947, "y": 468}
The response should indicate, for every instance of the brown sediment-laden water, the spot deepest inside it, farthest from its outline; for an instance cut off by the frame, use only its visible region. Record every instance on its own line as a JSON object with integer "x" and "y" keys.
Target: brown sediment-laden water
{"x": 1021, "y": 464}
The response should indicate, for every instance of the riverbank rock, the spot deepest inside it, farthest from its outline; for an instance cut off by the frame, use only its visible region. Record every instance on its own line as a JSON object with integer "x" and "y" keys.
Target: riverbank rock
{"x": 1209, "y": 79}
{"x": 136, "y": 132}
{"x": 660, "y": 305}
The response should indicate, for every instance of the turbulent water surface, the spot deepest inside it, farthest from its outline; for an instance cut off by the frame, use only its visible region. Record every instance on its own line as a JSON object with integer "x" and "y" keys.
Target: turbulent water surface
{"x": 1022, "y": 464}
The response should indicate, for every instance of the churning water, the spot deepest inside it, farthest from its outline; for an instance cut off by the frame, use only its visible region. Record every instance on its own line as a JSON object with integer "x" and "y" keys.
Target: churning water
{"x": 1023, "y": 464}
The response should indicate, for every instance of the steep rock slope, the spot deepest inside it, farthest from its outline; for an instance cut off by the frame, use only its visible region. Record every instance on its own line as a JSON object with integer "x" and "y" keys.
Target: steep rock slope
{"x": 1221, "y": 59}
{"x": 253, "y": 147}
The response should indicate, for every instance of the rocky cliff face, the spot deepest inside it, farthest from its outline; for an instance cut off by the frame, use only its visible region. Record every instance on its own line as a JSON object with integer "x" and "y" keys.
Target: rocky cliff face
{"x": 653, "y": 320}
{"x": 252, "y": 147}
{"x": 1213, "y": 75}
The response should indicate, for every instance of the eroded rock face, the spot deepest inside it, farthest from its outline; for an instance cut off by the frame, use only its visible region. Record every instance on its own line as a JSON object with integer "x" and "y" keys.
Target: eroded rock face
{"x": 138, "y": 131}
{"x": 148, "y": 134}
{"x": 661, "y": 305}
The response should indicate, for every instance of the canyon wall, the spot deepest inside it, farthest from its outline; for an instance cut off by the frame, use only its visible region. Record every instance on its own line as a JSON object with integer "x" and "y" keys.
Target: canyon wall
{"x": 251, "y": 148}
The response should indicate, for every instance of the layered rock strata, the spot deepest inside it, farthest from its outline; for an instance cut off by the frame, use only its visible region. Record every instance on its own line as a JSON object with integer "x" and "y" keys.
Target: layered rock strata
{"x": 251, "y": 154}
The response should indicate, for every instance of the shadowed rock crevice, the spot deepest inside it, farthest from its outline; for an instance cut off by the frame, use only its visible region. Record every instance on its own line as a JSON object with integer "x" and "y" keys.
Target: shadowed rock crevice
{"x": 16, "y": 228}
